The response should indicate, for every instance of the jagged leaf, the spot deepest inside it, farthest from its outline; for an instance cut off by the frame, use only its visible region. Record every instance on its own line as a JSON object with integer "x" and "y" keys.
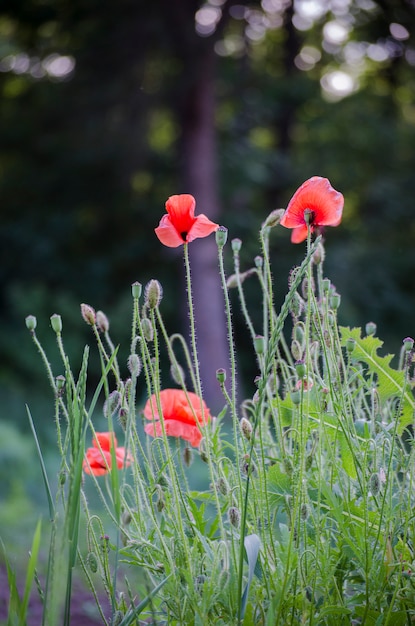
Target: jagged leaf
{"x": 390, "y": 382}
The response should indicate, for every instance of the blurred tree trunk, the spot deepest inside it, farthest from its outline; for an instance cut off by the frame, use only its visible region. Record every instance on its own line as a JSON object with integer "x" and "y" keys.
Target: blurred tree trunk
{"x": 197, "y": 151}
{"x": 200, "y": 178}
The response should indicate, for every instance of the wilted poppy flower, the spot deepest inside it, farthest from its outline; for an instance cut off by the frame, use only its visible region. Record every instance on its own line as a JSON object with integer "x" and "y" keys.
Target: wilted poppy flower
{"x": 180, "y": 225}
{"x": 315, "y": 203}
{"x": 98, "y": 459}
{"x": 182, "y": 412}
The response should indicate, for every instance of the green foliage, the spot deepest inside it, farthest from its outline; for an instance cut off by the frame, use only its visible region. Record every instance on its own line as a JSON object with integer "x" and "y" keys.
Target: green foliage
{"x": 390, "y": 383}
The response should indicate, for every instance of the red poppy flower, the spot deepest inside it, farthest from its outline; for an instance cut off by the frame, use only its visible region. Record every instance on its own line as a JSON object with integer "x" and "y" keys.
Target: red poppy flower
{"x": 180, "y": 225}
{"x": 325, "y": 206}
{"x": 182, "y": 414}
{"x": 98, "y": 459}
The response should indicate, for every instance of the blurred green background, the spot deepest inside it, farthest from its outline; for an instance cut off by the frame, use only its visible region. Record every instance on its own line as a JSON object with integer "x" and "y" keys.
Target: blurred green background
{"x": 107, "y": 108}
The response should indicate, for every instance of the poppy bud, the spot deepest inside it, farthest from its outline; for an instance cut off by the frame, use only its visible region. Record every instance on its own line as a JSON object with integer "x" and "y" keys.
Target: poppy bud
{"x": 300, "y": 368}
{"x": 88, "y": 314}
{"x": 202, "y": 451}
{"x": 296, "y": 350}
{"x": 222, "y": 486}
{"x": 103, "y": 324}
{"x": 236, "y": 245}
{"x": 112, "y": 403}
{"x": 296, "y": 305}
{"x": 31, "y": 322}
{"x": 122, "y": 417}
{"x": 136, "y": 290}
{"x": 126, "y": 518}
{"x": 299, "y": 332}
{"x": 187, "y": 456}
{"x": 319, "y": 254}
{"x": 234, "y": 516}
{"x": 56, "y": 323}
{"x": 370, "y": 328}
{"x": 153, "y": 293}
{"x": 134, "y": 365}
{"x": 177, "y": 373}
{"x": 248, "y": 467}
{"x": 374, "y": 483}
{"x": 246, "y": 428}
{"x": 273, "y": 218}
{"x": 221, "y": 236}
{"x": 147, "y": 329}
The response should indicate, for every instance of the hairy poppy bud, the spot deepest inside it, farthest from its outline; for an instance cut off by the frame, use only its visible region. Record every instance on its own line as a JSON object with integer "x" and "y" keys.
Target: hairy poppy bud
{"x": 370, "y": 328}
{"x": 246, "y": 428}
{"x": 177, "y": 373}
{"x": 234, "y": 516}
{"x": 103, "y": 324}
{"x": 187, "y": 456}
{"x": 296, "y": 350}
{"x": 273, "y": 218}
{"x": 153, "y": 293}
{"x": 56, "y": 323}
{"x": 319, "y": 254}
{"x": 134, "y": 365}
{"x": 112, "y": 403}
{"x": 222, "y": 486}
{"x": 88, "y": 314}
{"x": 147, "y": 329}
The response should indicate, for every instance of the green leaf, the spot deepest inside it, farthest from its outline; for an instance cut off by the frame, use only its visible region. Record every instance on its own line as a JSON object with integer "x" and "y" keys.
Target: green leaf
{"x": 252, "y": 544}
{"x": 346, "y": 455}
{"x": 279, "y": 485}
{"x": 391, "y": 383}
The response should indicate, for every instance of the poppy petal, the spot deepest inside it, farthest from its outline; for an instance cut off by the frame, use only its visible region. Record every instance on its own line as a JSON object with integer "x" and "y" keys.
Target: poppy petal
{"x": 299, "y": 234}
{"x": 167, "y": 233}
{"x": 105, "y": 440}
{"x": 174, "y": 428}
{"x": 202, "y": 227}
{"x": 318, "y": 195}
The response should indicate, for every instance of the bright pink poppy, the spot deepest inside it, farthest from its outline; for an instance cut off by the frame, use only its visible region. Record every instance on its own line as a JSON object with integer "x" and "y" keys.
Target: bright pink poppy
{"x": 98, "y": 459}
{"x": 324, "y": 204}
{"x": 180, "y": 225}
{"x": 182, "y": 413}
